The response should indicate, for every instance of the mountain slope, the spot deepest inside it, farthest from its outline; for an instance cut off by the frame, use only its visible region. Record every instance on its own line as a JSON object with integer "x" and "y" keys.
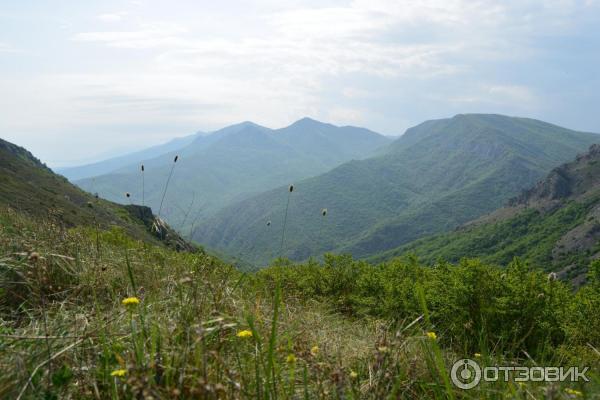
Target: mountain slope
{"x": 439, "y": 175}
{"x": 112, "y": 164}
{"x": 240, "y": 161}
{"x": 555, "y": 224}
{"x": 28, "y": 186}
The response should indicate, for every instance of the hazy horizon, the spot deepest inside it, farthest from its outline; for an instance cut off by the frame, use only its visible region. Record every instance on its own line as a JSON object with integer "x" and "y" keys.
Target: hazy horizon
{"x": 82, "y": 82}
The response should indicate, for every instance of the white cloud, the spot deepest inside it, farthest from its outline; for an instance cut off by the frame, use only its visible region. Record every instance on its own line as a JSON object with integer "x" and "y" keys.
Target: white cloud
{"x": 112, "y": 17}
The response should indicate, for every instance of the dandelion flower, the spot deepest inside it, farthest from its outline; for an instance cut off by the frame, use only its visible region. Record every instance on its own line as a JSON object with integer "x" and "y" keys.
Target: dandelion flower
{"x": 573, "y": 392}
{"x": 290, "y": 359}
{"x": 314, "y": 351}
{"x": 353, "y": 374}
{"x": 383, "y": 349}
{"x": 477, "y": 355}
{"x": 118, "y": 372}
{"x": 131, "y": 301}
{"x": 431, "y": 335}
{"x": 244, "y": 334}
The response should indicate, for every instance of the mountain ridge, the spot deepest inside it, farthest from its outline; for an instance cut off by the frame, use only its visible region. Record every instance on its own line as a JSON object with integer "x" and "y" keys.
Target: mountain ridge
{"x": 440, "y": 174}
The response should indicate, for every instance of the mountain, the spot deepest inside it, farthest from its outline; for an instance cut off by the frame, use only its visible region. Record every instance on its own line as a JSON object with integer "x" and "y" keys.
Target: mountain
{"x": 234, "y": 163}
{"x": 438, "y": 175}
{"x": 29, "y": 187}
{"x": 554, "y": 225}
{"x": 106, "y": 166}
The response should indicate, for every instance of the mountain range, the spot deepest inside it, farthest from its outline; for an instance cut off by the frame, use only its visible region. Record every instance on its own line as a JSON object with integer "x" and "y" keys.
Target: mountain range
{"x": 229, "y": 165}
{"x": 437, "y": 176}
{"x": 555, "y": 225}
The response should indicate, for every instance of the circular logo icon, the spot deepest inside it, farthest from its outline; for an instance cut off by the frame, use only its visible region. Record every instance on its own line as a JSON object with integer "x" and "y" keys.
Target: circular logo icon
{"x": 465, "y": 374}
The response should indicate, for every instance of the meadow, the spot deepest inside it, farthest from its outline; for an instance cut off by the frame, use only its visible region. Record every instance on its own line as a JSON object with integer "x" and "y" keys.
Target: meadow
{"x": 92, "y": 313}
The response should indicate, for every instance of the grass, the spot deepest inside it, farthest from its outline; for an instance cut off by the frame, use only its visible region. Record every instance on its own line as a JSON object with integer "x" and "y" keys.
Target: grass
{"x": 64, "y": 332}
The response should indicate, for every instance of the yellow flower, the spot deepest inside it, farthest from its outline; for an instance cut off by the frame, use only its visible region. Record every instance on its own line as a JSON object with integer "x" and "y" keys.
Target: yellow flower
{"x": 290, "y": 359}
{"x": 477, "y": 355}
{"x": 131, "y": 301}
{"x": 314, "y": 351}
{"x": 353, "y": 375}
{"x": 383, "y": 349}
{"x": 118, "y": 372}
{"x": 431, "y": 335}
{"x": 573, "y": 392}
{"x": 244, "y": 334}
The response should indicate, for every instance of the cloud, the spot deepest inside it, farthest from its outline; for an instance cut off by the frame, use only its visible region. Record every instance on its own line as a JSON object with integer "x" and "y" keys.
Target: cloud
{"x": 111, "y": 17}
{"x": 383, "y": 64}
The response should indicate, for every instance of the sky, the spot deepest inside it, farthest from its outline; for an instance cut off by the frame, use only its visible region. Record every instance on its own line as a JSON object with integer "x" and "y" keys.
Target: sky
{"x": 81, "y": 81}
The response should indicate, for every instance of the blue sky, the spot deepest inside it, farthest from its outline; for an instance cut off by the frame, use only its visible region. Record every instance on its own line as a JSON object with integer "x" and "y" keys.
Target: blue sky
{"x": 82, "y": 80}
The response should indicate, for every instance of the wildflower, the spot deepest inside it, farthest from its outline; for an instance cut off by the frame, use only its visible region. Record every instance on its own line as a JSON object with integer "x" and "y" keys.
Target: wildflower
{"x": 477, "y": 355}
{"x": 131, "y": 301}
{"x": 353, "y": 374}
{"x": 573, "y": 392}
{"x": 552, "y": 276}
{"x": 383, "y": 349}
{"x": 290, "y": 359}
{"x": 314, "y": 351}
{"x": 431, "y": 335}
{"x": 244, "y": 334}
{"x": 118, "y": 372}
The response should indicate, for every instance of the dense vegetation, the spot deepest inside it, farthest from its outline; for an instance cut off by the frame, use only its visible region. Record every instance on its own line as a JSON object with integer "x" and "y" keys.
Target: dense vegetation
{"x": 554, "y": 225}
{"x": 232, "y": 164}
{"x": 193, "y": 327}
{"x": 437, "y": 176}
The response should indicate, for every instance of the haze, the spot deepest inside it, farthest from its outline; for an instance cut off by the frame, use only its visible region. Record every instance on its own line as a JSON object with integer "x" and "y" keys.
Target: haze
{"x": 81, "y": 81}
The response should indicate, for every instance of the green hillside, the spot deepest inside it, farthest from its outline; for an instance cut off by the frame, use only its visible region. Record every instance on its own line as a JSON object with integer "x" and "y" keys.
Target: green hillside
{"x": 235, "y": 163}
{"x": 438, "y": 175}
{"x": 29, "y": 187}
{"x": 555, "y": 225}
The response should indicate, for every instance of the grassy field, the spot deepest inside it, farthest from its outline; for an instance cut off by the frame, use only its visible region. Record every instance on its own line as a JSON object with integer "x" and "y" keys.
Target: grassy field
{"x": 98, "y": 315}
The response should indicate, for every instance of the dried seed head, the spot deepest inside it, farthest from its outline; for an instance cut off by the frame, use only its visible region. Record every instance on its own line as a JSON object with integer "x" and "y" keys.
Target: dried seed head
{"x": 128, "y": 194}
{"x": 176, "y": 158}
{"x": 324, "y": 212}
{"x": 268, "y": 223}
{"x": 291, "y": 188}
{"x": 142, "y": 167}
{"x": 34, "y": 257}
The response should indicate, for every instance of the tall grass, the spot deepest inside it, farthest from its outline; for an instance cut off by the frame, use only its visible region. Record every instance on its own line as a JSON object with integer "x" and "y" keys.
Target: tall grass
{"x": 285, "y": 216}
{"x": 167, "y": 186}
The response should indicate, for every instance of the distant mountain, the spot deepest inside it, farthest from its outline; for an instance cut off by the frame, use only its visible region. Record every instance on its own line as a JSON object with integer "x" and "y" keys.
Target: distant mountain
{"x": 438, "y": 175}
{"x": 28, "y": 186}
{"x": 234, "y": 163}
{"x": 105, "y": 166}
{"x": 555, "y": 225}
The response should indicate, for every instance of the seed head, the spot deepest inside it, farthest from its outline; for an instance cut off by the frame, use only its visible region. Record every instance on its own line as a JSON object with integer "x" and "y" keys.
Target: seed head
{"x": 291, "y": 188}
{"x": 176, "y": 158}
{"x": 34, "y": 257}
{"x": 269, "y": 223}
{"x": 142, "y": 167}
{"x": 324, "y": 212}
{"x": 128, "y": 194}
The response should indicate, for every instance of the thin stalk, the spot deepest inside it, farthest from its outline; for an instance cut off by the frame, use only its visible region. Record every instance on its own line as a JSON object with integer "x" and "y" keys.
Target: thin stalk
{"x": 143, "y": 187}
{"x": 287, "y": 206}
{"x": 167, "y": 185}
